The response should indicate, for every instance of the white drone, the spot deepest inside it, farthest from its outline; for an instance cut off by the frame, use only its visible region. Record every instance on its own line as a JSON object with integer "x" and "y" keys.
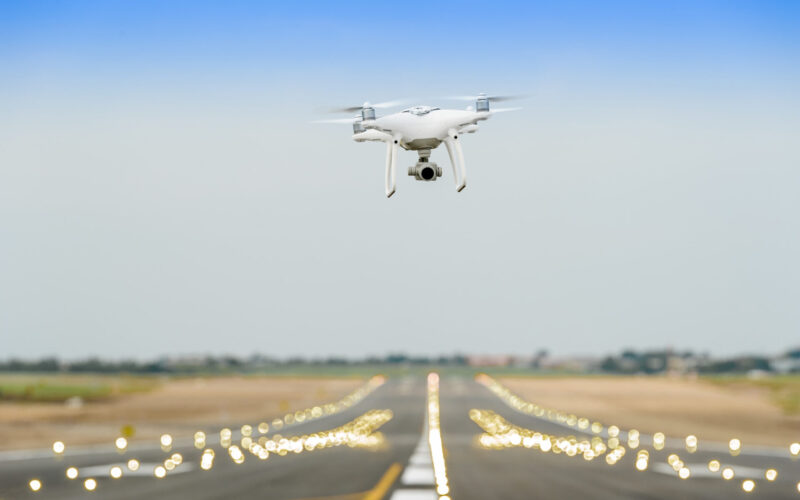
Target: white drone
{"x": 421, "y": 129}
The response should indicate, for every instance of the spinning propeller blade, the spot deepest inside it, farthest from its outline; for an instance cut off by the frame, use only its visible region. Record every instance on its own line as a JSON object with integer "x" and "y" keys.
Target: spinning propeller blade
{"x": 339, "y": 120}
{"x": 503, "y": 110}
{"x": 377, "y": 105}
{"x": 491, "y": 98}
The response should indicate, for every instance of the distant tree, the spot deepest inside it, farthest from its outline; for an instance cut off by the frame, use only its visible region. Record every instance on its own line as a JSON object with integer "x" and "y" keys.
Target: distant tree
{"x": 610, "y": 365}
{"x": 337, "y": 361}
{"x": 396, "y": 358}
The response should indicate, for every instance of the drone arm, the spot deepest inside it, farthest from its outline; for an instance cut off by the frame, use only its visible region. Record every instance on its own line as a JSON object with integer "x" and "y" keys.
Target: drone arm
{"x": 391, "y": 166}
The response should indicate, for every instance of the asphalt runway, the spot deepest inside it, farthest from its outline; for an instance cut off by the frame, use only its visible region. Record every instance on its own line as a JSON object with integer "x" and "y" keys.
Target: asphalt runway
{"x": 401, "y": 468}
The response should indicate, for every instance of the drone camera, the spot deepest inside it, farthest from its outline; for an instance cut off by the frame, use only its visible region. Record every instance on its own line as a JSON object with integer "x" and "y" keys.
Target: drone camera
{"x": 425, "y": 171}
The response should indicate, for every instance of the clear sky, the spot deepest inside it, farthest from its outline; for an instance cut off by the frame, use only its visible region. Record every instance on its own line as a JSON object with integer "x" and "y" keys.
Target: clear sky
{"x": 162, "y": 189}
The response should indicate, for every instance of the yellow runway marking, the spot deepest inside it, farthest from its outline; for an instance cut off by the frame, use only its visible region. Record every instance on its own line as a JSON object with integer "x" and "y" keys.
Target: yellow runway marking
{"x": 376, "y": 493}
{"x": 348, "y": 496}
{"x": 386, "y": 482}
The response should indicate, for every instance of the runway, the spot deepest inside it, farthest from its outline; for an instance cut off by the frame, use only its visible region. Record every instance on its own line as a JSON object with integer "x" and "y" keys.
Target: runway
{"x": 402, "y": 466}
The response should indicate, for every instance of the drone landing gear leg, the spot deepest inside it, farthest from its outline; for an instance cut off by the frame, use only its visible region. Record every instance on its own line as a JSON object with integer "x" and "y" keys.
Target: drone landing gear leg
{"x": 391, "y": 162}
{"x": 457, "y": 160}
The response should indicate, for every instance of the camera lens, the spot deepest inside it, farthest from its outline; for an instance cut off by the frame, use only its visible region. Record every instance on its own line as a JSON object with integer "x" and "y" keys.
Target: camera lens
{"x": 427, "y": 173}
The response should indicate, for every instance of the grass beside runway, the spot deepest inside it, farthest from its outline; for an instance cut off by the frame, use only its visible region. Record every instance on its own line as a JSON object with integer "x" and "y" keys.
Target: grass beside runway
{"x": 60, "y": 388}
{"x": 145, "y": 407}
{"x": 783, "y": 390}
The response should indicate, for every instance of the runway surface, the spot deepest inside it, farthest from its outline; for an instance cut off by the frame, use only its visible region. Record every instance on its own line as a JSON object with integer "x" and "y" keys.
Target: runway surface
{"x": 402, "y": 468}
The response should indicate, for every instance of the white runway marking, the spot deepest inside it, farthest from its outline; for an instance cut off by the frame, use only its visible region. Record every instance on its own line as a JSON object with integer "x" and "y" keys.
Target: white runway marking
{"x": 414, "y": 495}
{"x": 421, "y": 459}
{"x": 419, "y": 473}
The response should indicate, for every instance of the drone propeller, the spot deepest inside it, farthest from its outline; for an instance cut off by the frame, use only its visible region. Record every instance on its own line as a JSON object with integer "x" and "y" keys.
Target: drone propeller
{"x": 339, "y": 120}
{"x": 504, "y": 110}
{"x": 377, "y": 105}
{"x": 491, "y": 98}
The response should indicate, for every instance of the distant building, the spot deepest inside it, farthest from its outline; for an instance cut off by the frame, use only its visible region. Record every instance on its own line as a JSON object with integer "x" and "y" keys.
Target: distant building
{"x": 484, "y": 360}
{"x": 570, "y": 364}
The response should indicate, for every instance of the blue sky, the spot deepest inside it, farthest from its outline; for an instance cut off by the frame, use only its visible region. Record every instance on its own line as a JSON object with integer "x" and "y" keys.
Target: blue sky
{"x": 163, "y": 190}
{"x": 357, "y": 46}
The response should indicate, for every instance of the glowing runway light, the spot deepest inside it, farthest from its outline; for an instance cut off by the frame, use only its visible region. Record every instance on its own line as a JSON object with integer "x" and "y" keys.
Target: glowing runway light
{"x": 166, "y": 440}
{"x": 236, "y": 454}
{"x": 160, "y": 472}
{"x": 59, "y": 447}
{"x": 633, "y": 438}
{"x": 115, "y": 472}
{"x": 748, "y": 485}
{"x": 794, "y": 449}
{"x": 770, "y": 474}
{"x": 207, "y": 460}
{"x": 199, "y": 440}
{"x": 225, "y": 437}
{"x": 691, "y": 443}
{"x": 642, "y": 459}
{"x": 71, "y": 473}
{"x": 727, "y": 473}
{"x": 735, "y": 446}
{"x": 133, "y": 464}
{"x": 90, "y": 484}
{"x": 684, "y": 473}
{"x": 121, "y": 443}
{"x": 35, "y": 485}
{"x": 713, "y": 466}
{"x": 658, "y": 440}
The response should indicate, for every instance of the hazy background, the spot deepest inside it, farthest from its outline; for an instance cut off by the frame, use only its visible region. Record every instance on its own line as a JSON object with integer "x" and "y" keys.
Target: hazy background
{"x": 162, "y": 189}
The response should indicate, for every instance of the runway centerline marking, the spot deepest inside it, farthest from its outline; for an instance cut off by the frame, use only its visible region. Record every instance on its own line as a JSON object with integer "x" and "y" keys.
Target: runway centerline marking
{"x": 425, "y": 477}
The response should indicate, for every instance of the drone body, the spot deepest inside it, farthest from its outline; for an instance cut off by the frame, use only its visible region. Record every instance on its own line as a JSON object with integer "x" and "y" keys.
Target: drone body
{"x": 421, "y": 129}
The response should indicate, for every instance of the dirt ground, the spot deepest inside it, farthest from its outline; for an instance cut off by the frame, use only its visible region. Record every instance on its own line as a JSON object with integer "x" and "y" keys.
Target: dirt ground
{"x": 179, "y": 407}
{"x": 677, "y": 407}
